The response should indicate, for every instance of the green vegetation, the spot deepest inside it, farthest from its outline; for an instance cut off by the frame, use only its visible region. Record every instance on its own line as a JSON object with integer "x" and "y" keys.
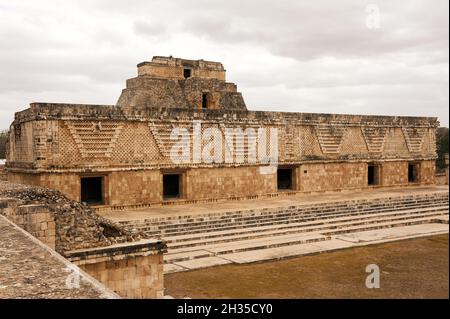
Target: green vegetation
{"x": 441, "y": 146}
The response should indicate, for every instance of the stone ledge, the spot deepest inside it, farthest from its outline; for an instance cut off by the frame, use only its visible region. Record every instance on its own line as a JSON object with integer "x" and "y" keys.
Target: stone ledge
{"x": 144, "y": 247}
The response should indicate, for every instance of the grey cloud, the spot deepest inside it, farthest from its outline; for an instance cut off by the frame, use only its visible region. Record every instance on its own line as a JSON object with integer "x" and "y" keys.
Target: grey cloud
{"x": 312, "y": 56}
{"x": 147, "y": 28}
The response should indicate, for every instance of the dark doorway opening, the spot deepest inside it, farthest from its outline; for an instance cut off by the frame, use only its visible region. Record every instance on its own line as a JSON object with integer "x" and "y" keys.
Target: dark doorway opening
{"x": 373, "y": 174}
{"x": 171, "y": 186}
{"x": 413, "y": 176}
{"x": 205, "y": 100}
{"x": 187, "y": 73}
{"x": 92, "y": 190}
{"x": 284, "y": 178}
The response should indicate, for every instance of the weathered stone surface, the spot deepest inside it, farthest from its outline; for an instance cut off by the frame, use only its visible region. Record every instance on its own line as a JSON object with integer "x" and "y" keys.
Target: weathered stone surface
{"x": 30, "y": 270}
{"x": 163, "y": 83}
{"x": 75, "y": 224}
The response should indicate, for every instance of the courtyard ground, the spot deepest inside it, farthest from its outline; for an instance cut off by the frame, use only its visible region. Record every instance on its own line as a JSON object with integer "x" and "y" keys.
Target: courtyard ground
{"x": 415, "y": 268}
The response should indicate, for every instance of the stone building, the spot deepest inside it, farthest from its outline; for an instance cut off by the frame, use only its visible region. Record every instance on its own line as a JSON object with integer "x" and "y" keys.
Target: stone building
{"x": 180, "y": 132}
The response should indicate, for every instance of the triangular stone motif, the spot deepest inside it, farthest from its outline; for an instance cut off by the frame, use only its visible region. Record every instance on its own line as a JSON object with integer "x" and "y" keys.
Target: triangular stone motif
{"x": 95, "y": 139}
{"x": 330, "y": 137}
{"x": 414, "y": 138}
{"x": 161, "y": 133}
{"x": 374, "y": 138}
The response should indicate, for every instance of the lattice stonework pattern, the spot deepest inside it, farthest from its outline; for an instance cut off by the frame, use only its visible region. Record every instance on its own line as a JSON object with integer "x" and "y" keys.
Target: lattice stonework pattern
{"x": 414, "y": 138}
{"x": 136, "y": 145}
{"x": 308, "y": 141}
{"x": 330, "y": 137}
{"x": 68, "y": 150}
{"x": 374, "y": 138}
{"x": 291, "y": 143}
{"x": 95, "y": 139}
{"x": 353, "y": 143}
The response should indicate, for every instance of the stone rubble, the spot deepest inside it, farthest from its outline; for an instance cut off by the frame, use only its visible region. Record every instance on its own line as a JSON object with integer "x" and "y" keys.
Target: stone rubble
{"x": 77, "y": 225}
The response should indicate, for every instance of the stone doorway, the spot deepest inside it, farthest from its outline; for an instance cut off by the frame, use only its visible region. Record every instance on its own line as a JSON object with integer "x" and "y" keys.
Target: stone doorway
{"x": 373, "y": 174}
{"x": 171, "y": 186}
{"x": 284, "y": 178}
{"x": 92, "y": 190}
{"x": 413, "y": 173}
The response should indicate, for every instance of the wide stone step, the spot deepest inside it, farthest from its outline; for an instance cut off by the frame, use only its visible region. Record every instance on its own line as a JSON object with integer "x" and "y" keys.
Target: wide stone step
{"x": 182, "y": 254}
{"x": 177, "y": 255}
{"x": 299, "y": 228}
{"x": 271, "y": 213}
{"x": 276, "y": 227}
{"x": 237, "y": 228}
{"x": 284, "y": 213}
{"x": 380, "y": 202}
{"x": 257, "y": 221}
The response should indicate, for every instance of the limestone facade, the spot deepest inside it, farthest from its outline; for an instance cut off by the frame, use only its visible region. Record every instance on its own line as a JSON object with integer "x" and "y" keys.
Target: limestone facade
{"x": 132, "y": 270}
{"x": 129, "y": 146}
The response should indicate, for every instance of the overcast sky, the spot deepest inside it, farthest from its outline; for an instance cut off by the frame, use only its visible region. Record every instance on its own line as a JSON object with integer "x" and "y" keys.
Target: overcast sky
{"x": 300, "y": 56}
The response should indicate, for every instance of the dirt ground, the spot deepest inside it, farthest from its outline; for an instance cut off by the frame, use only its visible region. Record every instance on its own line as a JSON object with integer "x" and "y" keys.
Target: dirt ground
{"x": 416, "y": 268}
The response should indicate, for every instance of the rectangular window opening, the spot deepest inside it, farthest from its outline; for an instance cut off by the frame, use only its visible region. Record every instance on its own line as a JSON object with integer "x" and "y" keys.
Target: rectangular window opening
{"x": 171, "y": 186}
{"x": 187, "y": 73}
{"x": 204, "y": 100}
{"x": 373, "y": 174}
{"x": 413, "y": 173}
{"x": 284, "y": 179}
{"x": 92, "y": 190}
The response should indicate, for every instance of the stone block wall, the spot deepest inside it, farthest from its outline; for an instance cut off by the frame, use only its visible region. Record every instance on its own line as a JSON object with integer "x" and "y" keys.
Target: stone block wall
{"x": 132, "y": 271}
{"x": 172, "y": 68}
{"x": 332, "y": 176}
{"x": 3, "y": 174}
{"x": 35, "y": 219}
{"x": 208, "y": 183}
{"x": 66, "y": 183}
{"x": 144, "y": 187}
{"x": 140, "y": 187}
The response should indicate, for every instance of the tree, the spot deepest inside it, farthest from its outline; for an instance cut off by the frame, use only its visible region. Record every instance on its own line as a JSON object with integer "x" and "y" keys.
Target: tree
{"x": 441, "y": 146}
{"x": 3, "y": 137}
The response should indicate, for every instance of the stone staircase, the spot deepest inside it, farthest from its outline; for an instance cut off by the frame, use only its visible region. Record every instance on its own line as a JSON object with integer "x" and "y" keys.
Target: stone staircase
{"x": 197, "y": 237}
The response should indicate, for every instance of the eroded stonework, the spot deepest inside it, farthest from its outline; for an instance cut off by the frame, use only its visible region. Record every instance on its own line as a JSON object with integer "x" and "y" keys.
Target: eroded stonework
{"x": 128, "y": 146}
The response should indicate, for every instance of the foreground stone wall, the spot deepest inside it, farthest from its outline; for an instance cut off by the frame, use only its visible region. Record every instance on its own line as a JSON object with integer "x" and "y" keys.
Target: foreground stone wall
{"x": 132, "y": 271}
{"x": 35, "y": 219}
{"x": 31, "y": 270}
{"x": 63, "y": 223}
{"x": 121, "y": 259}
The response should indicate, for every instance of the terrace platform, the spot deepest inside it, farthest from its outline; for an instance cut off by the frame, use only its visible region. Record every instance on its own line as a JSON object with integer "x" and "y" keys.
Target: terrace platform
{"x": 211, "y": 234}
